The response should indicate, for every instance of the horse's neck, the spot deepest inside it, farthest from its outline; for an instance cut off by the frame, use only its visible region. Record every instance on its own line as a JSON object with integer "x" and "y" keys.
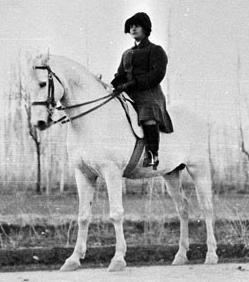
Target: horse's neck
{"x": 81, "y": 86}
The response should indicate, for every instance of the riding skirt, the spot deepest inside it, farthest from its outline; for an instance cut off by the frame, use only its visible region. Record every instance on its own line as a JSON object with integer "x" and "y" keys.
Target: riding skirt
{"x": 151, "y": 105}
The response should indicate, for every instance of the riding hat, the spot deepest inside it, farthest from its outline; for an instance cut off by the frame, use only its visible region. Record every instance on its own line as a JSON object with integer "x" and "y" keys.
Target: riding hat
{"x": 141, "y": 19}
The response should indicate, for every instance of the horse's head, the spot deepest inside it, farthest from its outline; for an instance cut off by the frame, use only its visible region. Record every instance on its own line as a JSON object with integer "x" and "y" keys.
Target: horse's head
{"x": 45, "y": 90}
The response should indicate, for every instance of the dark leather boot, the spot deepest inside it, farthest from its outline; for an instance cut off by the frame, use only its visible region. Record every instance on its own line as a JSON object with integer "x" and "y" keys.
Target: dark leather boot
{"x": 151, "y": 134}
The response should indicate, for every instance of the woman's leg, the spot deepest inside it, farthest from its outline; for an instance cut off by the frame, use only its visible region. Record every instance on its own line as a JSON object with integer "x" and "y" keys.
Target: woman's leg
{"x": 152, "y": 137}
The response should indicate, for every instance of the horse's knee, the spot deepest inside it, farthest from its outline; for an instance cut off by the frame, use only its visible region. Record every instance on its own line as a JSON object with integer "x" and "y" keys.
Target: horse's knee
{"x": 116, "y": 216}
{"x": 84, "y": 219}
{"x": 183, "y": 211}
{"x": 206, "y": 206}
{"x": 182, "y": 207}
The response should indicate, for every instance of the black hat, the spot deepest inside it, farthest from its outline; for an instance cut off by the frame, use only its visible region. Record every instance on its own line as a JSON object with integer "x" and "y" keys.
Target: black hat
{"x": 141, "y": 19}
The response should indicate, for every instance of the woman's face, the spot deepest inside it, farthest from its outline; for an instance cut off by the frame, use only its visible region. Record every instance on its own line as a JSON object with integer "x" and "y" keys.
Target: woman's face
{"x": 137, "y": 32}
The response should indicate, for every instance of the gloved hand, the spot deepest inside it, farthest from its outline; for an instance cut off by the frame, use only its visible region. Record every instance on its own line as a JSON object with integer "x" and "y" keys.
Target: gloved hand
{"x": 125, "y": 86}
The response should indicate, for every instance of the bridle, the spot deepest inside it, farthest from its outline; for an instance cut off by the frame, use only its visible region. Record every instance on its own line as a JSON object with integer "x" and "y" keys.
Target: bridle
{"x": 50, "y": 103}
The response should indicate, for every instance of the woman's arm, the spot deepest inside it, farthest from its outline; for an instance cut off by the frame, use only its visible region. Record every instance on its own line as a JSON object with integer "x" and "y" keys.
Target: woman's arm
{"x": 158, "y": 65}
{"x": 120, "y": 76}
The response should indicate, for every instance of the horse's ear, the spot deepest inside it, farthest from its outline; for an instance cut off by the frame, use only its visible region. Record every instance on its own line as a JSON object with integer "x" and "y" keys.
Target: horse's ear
{"x": 99, "y": 76}
{"x": 45, "y": 58}
{"x": 25, "y": 61}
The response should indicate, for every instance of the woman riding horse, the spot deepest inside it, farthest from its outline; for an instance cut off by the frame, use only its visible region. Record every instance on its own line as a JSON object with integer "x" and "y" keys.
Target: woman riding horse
{"x": 139, "y": 74}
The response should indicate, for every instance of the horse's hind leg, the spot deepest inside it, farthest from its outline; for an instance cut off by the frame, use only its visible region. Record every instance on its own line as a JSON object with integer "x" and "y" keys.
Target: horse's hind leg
{"x": 203, "y": 184}
{"x": 173, "y": 184}
{"x": 113, "y": 180}
{"x": 85, "y": 191}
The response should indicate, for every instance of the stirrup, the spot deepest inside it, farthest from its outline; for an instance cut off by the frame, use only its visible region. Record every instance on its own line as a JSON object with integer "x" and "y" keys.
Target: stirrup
{"x": 151, "y": 161}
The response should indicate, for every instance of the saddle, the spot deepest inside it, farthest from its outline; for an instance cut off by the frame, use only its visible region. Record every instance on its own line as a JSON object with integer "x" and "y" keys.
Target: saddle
{"x": 131, "y": 115}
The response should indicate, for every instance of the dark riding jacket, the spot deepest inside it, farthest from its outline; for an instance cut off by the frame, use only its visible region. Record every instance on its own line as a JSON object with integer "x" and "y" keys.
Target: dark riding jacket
{"x": 145, "y": 66}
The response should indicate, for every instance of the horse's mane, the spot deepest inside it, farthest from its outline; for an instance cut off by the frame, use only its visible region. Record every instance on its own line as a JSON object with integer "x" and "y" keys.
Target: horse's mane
{"x": 81, "y": 71}
{"x": 28, "y": 58}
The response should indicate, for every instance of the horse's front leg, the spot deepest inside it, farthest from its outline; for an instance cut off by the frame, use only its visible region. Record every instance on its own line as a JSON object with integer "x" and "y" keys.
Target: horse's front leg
{"x": 113, "y": 180}
{"x": 85, "y": 188}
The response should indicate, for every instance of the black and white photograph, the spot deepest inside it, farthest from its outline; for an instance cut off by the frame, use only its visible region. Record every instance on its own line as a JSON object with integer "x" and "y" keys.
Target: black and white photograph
{"x": 124, "y": 140}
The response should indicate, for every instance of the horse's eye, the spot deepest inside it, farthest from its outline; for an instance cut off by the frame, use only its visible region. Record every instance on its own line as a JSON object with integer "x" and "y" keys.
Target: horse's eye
{"x": 42, "y": 84}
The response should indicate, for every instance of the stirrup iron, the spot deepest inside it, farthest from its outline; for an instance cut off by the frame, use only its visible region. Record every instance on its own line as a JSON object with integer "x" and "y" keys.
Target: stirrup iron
{"x": 152, "y": 163}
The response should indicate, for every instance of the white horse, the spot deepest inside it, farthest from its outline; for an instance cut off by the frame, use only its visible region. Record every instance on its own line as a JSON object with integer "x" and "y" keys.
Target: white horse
{"x": 101, "y": 143}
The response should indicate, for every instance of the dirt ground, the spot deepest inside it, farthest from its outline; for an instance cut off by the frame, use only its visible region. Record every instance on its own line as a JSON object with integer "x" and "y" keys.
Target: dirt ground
{"x": 188, "y": 273}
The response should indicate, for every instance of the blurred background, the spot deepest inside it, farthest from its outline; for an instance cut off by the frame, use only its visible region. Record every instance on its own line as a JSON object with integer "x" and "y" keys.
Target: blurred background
{"x": 207, "y": 43}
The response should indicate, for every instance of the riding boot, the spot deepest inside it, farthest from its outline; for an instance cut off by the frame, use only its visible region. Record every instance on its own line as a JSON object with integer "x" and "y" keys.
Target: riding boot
{"x": 152, "y": 136}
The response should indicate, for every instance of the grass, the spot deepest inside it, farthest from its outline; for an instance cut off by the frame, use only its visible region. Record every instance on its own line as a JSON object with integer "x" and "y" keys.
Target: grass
{"x": 25, "y": 207}
{"x": 30, "y": 220}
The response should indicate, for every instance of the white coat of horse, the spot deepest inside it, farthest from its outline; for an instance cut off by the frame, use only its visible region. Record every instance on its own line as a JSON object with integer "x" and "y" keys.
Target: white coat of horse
{"x": 101, "y": 143}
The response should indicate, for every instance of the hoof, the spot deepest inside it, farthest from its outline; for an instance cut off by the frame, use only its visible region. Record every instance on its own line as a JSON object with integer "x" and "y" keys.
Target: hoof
{"x": 70, "y": 265}
{"x": 211, "y": 259}
{"x": 180, "y": 259}
{"x": 117, "y": 265}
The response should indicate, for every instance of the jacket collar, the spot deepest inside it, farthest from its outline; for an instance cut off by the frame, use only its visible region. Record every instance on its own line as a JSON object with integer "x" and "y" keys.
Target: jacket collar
{"x": 145, "y": 42}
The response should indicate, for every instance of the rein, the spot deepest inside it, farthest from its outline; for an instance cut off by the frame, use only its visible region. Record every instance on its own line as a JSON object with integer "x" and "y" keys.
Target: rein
{"x": 50, "y": 102}
{"x": 110, "y": 97}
